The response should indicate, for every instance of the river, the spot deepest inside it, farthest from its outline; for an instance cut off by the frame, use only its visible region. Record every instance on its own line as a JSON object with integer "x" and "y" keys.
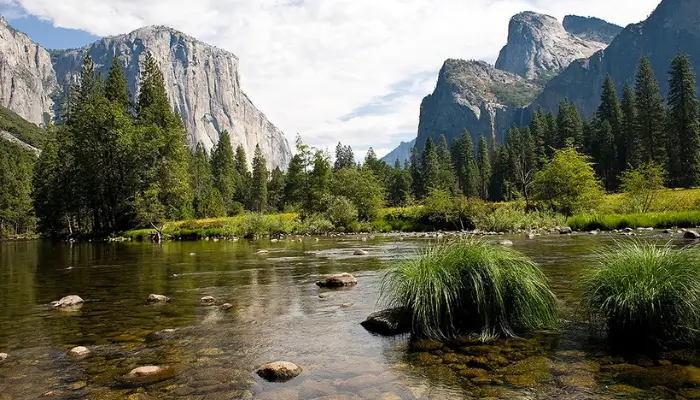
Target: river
{"x": 277, "y": 314}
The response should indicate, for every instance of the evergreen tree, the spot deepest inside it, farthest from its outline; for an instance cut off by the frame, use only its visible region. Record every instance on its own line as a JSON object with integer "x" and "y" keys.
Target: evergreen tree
{"x": 319, "y": 183}
{"x": 683, "y": 125}
{"x": 116, "y": 89}
{"x": 202, "y": 181}
{"x": 275, "y": 190}
{"x": 224, "y": 173}
{"x": 632, "y": 148}
{"x": 500, "y": 185}
{"x": 484, "y": 165}
{"x": 650, "y": 115}
{"x": 344, "y": 157}
{"x": 569, "y": 126}
{"x": 447, "y": 179}
{"x": 243, "y": 192}
{"x": 551, "y": 142}
{"x": 603, "y": 153}
{"x": 259, "y": 184}
{"x": 430, "y": 168}
{"x": 538, "y": 130}
{"x": 464, "y": 164}
{"x": 415, "y": 170}
{"x": 609, "y": 111}
{"x": 297, "y": 179}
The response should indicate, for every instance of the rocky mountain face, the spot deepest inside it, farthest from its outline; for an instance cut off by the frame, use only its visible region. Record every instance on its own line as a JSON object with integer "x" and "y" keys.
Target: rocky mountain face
{"x": 473, "y": 95}
{"x": 672, "y": 27}
{"x": 27, "y": 77}
{"x": 539, "y": 46}
{"x": 202, "y": 81}
{"x": 591, "y": 28}
{"x": 401, "y": 153}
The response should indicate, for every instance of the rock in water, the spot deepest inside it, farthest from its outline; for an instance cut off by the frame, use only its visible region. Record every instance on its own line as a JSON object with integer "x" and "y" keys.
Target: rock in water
{"x": 279, "y": 371}
{"x": 3, "y": 357}
{"x": 226, "y": 306}
{"x": 71, "y": 301}
{"x": 261, "y": 252}
{"x": 360, "y": 252}
{"x": 506, "y": 243}
{"x": 149, "y": 374}
{"x": 78, "y": 352}
{"x": 690, "y": 234}
{"x": 207, "y": 300}
{"x": 157, "y": 298}
{"x": 391, "y": 322}
{"x": 159, "y": 335}
{"x": 339, "y": 280}
{"x": 566, "y": 231}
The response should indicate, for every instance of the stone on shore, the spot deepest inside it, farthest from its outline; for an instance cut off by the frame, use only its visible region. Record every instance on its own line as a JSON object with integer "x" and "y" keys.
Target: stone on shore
{"x": 390, "y": 322}
{"x": 690, "y": 234}
{"x": 78, "y": 352}
{"x": 71, "y": 301}
{"x": 158, "y": 298}
{"x": 279, "y": 371}
{"x": 336, "y": 281}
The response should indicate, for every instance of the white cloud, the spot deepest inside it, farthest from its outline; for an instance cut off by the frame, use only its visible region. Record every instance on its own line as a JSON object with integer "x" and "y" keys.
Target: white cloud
{"x": 309, "y": 63}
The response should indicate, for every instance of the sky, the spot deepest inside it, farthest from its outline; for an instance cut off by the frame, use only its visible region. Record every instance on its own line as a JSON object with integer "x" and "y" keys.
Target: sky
{"x": 353, "y": 71}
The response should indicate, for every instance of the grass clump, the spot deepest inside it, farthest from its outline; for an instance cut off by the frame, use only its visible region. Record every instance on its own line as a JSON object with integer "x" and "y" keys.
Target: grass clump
{"x": 645, "y": 294}
{"x": 471, "y": 287}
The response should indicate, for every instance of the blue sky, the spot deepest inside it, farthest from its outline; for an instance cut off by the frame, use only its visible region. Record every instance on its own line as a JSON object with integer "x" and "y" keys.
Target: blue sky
{"x": 50, "y": 37}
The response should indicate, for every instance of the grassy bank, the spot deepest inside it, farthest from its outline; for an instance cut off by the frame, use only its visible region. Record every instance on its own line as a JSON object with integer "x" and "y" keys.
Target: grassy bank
{"x": 658, "y": 220}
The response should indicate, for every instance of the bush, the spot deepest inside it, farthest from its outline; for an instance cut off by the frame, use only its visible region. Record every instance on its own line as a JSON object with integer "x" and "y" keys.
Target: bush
{"x": 340, "y": 211}
{"x": 509, "y": 218}
{"x": 641, "y": 187}
{"x": 645, "y": 294}
{"x": 471, "y": 287}
{"x": 314, "y": 224}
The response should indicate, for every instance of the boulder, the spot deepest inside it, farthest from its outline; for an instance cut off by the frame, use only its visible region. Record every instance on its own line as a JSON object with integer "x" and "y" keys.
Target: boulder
{"x": 390, "y": 322}
{"x": 149, "y": 374}
{"x": 78, "y": 352}
{"x": 690, "y": 234}
{"x": 530, "y": 236}
{"x": 628, "y": 230}
{"x": 71, "y": 301}
{"x": 279, "y": 371}
{"x": 157, "y": 298}
{"x": 207, "y": 300}
{"x": 226, "y": 306}
{"x": 595, "y": 232}
{"x": 3, "y": 357}
{"x": 336, "y": 281}
{"x": 261, "y": 252}
{"x": 565, "y": 231}
{"x": 505, "y": 243}
{"x": 360, "y": 252}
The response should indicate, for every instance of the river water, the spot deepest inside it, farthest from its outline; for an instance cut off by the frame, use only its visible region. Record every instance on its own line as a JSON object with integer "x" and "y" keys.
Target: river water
{"x": 277, "y": 314}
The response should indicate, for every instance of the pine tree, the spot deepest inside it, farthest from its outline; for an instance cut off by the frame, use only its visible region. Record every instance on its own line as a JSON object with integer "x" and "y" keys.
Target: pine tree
{"x": 551, "y": 142}
{"x": 650, "y": 115}
{"x": 538, "y": 130}
{"x": 631, "y": 156}
{"x": 609, "y": 111}
{"x": 484, "y": 164}
{"x": 297, "y": 180}
{"x": 202, "y": 181}
{"x": 259, "y": 184}
{"x": 430, "y": 168}
{"x": 241, "y": 164}
{"x": 447, "y": 180}
{"x": 275, "y": 190}
{"x": 399, "y": 188}
{"x": 465, "y": 164}
{"x": 415, "y": 170}
{"x": 683, "y": 125}
{"x": 569, "y": 126}
{"x": 344, "y": 157}
{"x": 224, "y": 173}
{"x": 116, "y": 89}
{"x": 319, "y": 185}
{"x": 604, "y": 152}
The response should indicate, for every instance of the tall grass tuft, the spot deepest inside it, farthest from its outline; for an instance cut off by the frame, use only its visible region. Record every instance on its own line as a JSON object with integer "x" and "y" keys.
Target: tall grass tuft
{"x": 645, "y": 294}
{"x": 471, "y": 287}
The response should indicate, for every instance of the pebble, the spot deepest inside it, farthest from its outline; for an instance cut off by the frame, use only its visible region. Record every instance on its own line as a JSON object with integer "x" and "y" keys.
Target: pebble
{"x": 78, "y": 352}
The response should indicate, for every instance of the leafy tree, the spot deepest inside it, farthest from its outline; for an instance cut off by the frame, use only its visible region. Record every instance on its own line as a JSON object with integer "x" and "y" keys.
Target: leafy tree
{"x": 259, "y": 183}
{"x": 568, "y": 184}
{"x": 319, "y": 183}
{"x": 650, "y": 115}
{"x": 399, "y": 188}
{"x": 340, "y": 211}
{"x": 484, "y": 164}
{"x": 226, "y": 179}
{"x": 363, "y": 188}
{"x": 641, "y": 185}
{"x": 683, "y": 125}
{"x": 16, "y": 211}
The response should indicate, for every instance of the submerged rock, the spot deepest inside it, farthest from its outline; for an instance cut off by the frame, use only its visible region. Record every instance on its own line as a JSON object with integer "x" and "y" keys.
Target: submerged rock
{"x": 158, "y": 298}
{"x": 207, "y": 300}
{"x": 149, "y": 373}
{"x": 690, "y": 234}
{"x": 279, "y": 371}
{"x": 159, "y": 335}
{"x": 394, "y": 321}
{"x": 71, "y": 301}
{"x": 339, "y": 280}
{"x": 78, "y": 352}
{"x": 360, "y": 252}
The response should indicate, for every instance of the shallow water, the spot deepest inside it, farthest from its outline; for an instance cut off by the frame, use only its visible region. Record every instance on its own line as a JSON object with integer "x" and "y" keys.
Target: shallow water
{"x": 278, "y": 314}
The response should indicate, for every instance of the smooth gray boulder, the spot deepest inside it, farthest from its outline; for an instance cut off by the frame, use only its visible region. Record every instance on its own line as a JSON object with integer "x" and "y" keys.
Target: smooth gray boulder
{"x": 149, "y": 374}
{"x": 279, "y": 371}
{"x": 390, "y": 322}
{"x": 157, "y": 298}
{"x": 338, "y": 280}
{"x": 71, "y": 301}
{"x": 78, "y": 352}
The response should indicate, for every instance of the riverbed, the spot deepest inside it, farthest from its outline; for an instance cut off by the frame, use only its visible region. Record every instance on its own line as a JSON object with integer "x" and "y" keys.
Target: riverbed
{"x": 278, "y": 313}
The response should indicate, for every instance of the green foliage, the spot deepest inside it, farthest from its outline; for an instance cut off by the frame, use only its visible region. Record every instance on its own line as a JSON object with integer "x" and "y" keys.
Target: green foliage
{"x": 464, "y": 164}
{"x": 650, "y": 116}
{"x": 683, "y": 125}
{"x": 511, "y": 217}
{"x": 484, "y": 166}
{"x": 344, "y": 157}
{"x": 471, "y": 287}
{"x": 275, "y": 190}
{"x": 362, "y": 188}
{"x": 340, "y": 211}
{"x": 659, "y": 220}
{"x": 21, "y": 128}
{"x": 430, "y": 168}
{"x": 223, "y": 167}
{"x": 16, "y": 211}
{"x": 641, "y": 185}
{"x": 520, "y": 95}
{"x": 568, "y": 184}
{"x": 259, "y": 185}
{"x": 569, "y": 126}
{"x": 629, "y": 156}
{"x": 399, "y": 187}
{"x": 645, "y": 294}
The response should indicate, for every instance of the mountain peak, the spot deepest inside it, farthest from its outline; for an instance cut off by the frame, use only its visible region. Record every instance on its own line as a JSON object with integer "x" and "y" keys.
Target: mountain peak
{"x": 591, "y": 28}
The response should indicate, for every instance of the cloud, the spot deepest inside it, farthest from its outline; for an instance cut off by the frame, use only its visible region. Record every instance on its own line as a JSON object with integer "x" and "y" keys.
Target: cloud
{"x": 344, "y": 70}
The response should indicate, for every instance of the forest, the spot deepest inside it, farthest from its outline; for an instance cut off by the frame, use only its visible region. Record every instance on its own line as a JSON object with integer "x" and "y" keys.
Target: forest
{"x": 109, "y": 165}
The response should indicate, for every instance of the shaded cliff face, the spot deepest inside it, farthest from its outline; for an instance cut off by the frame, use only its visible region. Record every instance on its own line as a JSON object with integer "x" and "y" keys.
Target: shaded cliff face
{"x": 401, "y": 153}
{"x": 203, "y": 85}
{"x": 592, "y": 29}
{"x": 476, "y": 96}
{"x": 27, "y": 78}
{"x": 674, "y": 26}
{"x": 539, "y": 46}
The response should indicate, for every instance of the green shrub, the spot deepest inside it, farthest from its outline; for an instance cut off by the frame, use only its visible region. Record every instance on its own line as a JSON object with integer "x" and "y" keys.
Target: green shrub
{"x": 471, "y": 287}
{"x": 510, "y": 218}
{"x": 645, "y": 294}
{"x": 340, "y": 211}
{"x": 314, "y": 224}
